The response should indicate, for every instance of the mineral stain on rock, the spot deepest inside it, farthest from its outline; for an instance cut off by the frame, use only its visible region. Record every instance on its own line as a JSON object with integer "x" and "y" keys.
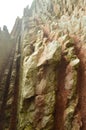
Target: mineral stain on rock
{"x": 50, "y": 94}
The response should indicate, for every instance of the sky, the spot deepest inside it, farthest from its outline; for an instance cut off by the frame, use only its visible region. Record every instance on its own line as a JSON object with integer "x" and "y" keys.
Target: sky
{"x": 10, "y": 9}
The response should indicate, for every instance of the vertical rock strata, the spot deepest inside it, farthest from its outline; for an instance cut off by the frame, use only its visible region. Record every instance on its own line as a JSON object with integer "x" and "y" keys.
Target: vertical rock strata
{"x": 53, "y": 40}
{"x": 9, "y": 79}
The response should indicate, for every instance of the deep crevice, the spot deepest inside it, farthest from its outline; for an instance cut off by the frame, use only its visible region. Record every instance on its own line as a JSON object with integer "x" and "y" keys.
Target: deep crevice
{"x": 6, "y": 88}
{"x": 81, "y": 107}
{"x": 14, "y": 120}
{"x": 60, "y": 96}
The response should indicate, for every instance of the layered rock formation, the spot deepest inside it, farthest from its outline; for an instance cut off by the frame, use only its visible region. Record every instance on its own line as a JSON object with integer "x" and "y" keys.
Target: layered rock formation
{"x": 9, "y": 76}
{"x": 52, "y": 96}
{"x": 52, "y": 83}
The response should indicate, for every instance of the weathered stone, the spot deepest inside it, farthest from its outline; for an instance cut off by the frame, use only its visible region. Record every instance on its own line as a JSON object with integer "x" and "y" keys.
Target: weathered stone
{"x": 50, "y": 37}
{"x": 49, "y": 103}
{"x": 51, "y": 53}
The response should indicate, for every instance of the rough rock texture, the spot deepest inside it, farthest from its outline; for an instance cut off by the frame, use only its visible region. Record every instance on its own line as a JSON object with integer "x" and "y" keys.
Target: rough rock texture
{"x": 52, "y": 83}
{"x": 52, "y": 88}
{"x": 9, "y": 77}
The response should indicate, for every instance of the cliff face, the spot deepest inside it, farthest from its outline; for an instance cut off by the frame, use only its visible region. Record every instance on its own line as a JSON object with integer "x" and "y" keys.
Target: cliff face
{"x": 52, "y": 88}
{"x": 52, "y": 83}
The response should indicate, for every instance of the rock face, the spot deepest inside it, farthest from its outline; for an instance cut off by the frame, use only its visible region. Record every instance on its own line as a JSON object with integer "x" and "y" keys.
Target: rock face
{"x": 52, "y": 88}
{"x": 52, "y": 83}
{"x": 9, "y": 75}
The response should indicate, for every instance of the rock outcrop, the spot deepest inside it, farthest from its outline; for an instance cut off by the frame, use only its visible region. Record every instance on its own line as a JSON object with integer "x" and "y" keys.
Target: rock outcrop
{"x": 52, "y": 83}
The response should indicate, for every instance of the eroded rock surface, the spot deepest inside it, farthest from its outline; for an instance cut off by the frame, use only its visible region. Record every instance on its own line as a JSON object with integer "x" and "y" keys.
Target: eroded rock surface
{"x": 52, "y": 83}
